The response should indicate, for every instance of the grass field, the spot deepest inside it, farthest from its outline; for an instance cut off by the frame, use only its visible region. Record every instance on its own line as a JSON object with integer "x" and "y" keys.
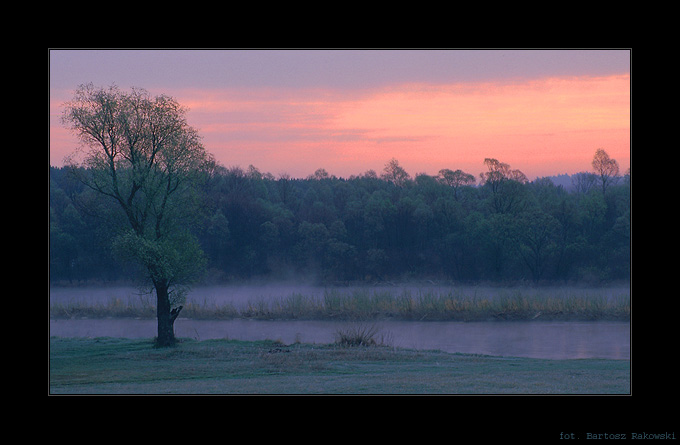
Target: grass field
{"x": 125, "y": 366}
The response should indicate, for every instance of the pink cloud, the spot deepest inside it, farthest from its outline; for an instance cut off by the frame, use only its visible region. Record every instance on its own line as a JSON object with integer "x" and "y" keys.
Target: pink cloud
{"x": 546, "y": 126}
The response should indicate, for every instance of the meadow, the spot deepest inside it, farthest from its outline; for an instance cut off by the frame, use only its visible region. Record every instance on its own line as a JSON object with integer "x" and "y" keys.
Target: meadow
{"x": 358, "y": 362}
{"x": 133, "y": 366}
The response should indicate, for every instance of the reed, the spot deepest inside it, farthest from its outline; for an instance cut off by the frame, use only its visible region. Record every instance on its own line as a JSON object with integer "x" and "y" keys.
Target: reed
{"x": 364, "y": 304}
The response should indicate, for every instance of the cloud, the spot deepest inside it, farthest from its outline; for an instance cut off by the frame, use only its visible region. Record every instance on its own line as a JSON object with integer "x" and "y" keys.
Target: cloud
{"x": 348, "y": 70}
{"x": 426, "y": 125}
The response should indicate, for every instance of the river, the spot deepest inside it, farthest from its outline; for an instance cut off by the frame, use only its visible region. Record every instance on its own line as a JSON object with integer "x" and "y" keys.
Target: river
{"x": 550, "y": 340}
{"x": 535, "y": 339}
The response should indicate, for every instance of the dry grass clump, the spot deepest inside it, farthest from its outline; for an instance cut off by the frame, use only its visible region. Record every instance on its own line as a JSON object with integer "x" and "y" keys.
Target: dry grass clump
{"x": 360, "y": 335}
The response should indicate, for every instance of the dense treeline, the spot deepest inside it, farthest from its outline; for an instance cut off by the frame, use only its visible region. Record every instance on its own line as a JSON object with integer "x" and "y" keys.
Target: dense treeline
{"x": 372, "y": 227}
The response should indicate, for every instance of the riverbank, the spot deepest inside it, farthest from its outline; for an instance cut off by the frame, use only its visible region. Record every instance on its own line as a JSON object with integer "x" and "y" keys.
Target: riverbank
{"x": 133, "y": 366}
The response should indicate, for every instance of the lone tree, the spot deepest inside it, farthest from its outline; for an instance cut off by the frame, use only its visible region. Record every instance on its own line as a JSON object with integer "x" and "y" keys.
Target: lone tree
{"x": 455, "y": 179}
{"x": 140, "y": 152}
{"x": 504, "y": 184}
{"x": 606, "y": 168}
{"x": 395, "y": 173}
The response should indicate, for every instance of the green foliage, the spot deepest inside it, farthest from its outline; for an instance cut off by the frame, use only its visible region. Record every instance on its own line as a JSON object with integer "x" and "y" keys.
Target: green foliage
{"x": 174, "y": 260}
{"x": 364, "y": 228}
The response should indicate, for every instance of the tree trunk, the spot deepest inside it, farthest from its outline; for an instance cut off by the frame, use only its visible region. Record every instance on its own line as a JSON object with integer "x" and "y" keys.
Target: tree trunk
{"x": 166, "y": 317}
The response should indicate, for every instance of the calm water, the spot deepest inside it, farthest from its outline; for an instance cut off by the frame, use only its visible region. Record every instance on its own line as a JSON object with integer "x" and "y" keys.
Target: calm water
{"x": 552, "y": 340}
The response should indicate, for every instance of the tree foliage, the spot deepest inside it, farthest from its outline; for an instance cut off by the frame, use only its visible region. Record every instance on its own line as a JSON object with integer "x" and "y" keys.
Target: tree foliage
{"x": 140, "y": 154}
{"x": 369, "y": 228}
{"x": 606, "y": 169}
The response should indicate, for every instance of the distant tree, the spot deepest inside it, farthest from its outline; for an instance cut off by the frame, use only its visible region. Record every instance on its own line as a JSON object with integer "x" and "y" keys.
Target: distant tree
{"x": 606, "y": 168}
{"x": 253, "y": 173}
{"x": 371, "y": 174}
{"x": 499, "y": 172}
{"x": 216, "y": 237}
{"x": 497, "y": 235}
{"x": 505, "y": 185}
{"x": 140, "y": 152}
{"x": 394, "y": 173}
{"x": 252, "y": 225}
{"x": 285, "y": 187}
{"x": 583, "y": 182}
{"x": 455, "y": 179}
{"x": 536, "y": 235}
{"x": 319, "y": 174}
{"x": 377, "y": 263}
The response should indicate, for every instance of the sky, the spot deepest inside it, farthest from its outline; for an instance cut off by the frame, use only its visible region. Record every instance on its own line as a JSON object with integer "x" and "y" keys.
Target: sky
{"x": 544, "y": 112}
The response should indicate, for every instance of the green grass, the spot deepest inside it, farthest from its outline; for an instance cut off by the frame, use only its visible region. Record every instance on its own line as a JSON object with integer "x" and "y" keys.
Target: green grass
{"x": 364, "y": 304}
{"x": 124, "y": 366}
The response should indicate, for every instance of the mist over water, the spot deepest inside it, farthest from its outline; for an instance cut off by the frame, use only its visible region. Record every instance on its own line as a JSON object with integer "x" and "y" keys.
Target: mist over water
{"x": 242, "y": 294}
{"x": 535, "y": 339}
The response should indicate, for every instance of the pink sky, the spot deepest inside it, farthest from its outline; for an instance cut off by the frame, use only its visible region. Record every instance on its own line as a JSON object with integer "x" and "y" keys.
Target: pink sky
{"x": 541, "y": 124}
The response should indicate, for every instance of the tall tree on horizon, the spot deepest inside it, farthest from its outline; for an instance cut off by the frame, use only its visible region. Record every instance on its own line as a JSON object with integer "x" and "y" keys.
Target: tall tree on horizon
{"x": 606, "y": 168}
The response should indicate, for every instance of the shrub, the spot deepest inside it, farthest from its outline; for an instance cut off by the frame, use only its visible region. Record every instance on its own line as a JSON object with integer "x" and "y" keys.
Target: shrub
{"x": 357, "y": 335}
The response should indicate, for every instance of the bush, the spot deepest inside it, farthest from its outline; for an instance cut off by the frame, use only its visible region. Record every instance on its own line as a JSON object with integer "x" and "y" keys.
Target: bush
{"x": 357, "y": 335}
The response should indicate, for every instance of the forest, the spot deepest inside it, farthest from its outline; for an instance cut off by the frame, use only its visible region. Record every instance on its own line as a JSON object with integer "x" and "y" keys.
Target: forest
{"x": 497, "y": 227}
